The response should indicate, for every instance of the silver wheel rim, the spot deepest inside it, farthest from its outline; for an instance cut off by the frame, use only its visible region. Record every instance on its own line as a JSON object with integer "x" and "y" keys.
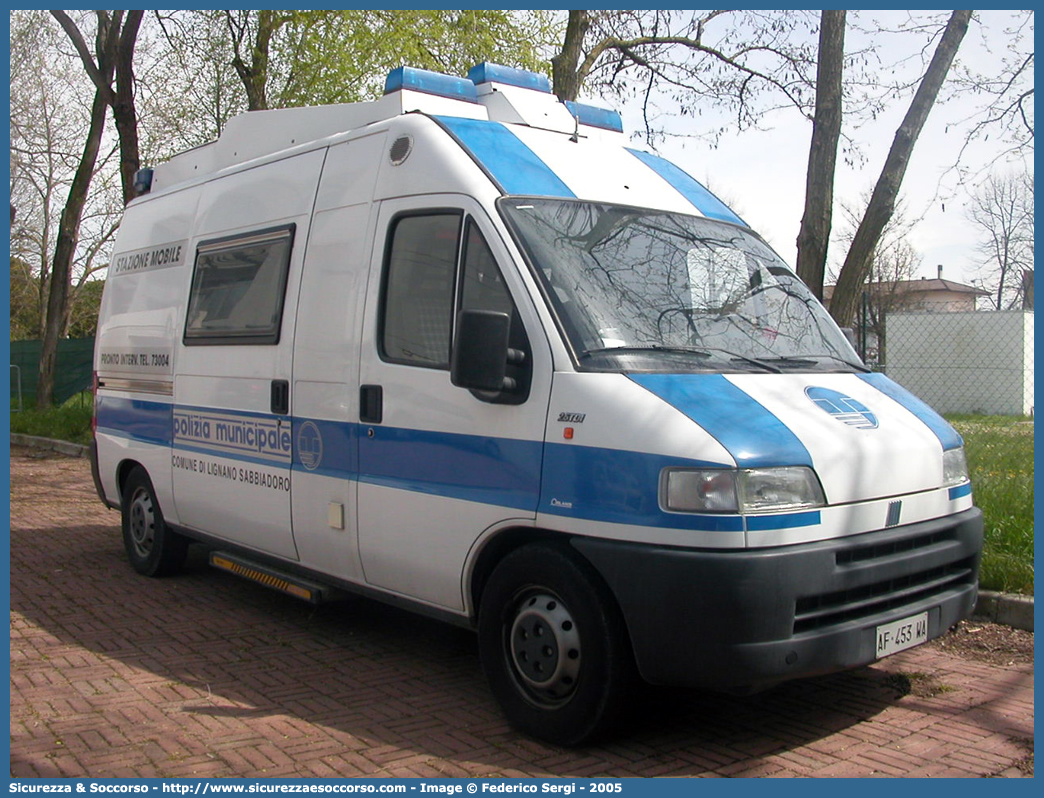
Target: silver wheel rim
{"x": 142, "y": 522}
{"x": 544, "y": 648}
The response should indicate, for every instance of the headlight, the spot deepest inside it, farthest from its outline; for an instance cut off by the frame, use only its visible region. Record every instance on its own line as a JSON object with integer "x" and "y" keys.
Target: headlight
{"x": 749, "y": 490}
{"x": 955, "y": 467}
{"x": 699, "y": 491}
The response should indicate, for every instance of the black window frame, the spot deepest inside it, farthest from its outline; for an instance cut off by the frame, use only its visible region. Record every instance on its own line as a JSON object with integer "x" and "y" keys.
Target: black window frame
{"x": 270, "y": 336}
{"x": 470, "y": 223}
{"x": 522, "y": 371}
{"x": 382, "y": 312}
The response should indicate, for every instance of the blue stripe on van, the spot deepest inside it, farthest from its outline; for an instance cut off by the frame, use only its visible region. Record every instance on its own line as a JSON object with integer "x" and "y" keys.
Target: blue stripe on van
{"x": 688, "y": 187}
{"x": 598, "y": 484}
{"x": 618, "y": 487}
{"x": 947, "y": 435}
{"x": 137, "y": 419}
{"x": 960, "y": 491}
{"x": 752, "y": 435}
{"x": 498, "y": 471}
{"x": 762, "y": 523}
{"x": 511, "y": 164}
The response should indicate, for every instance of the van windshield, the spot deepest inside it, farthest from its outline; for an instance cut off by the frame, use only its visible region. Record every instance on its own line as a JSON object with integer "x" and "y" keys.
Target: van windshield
{"x": 642, "y": 290}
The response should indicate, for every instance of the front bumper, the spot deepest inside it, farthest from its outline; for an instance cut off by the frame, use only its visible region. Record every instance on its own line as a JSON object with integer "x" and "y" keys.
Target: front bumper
{"x": 748, "y": 619}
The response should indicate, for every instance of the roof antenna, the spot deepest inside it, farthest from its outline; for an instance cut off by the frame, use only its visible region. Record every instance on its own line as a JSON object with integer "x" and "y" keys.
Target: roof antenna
{"x": 575, "y": 138}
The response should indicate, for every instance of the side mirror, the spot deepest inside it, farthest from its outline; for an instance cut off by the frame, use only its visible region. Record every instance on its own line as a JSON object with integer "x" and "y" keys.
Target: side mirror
{"x": 480, "y": 351}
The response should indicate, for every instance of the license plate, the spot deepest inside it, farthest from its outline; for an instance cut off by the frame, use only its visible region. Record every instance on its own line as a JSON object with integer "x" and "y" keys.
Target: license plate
{"x": 901, "y": 635}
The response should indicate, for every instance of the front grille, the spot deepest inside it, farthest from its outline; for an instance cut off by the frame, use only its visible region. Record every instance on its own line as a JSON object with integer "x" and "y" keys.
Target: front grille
{"x": 888, "y": 548}
{"x": 829, "y": 609}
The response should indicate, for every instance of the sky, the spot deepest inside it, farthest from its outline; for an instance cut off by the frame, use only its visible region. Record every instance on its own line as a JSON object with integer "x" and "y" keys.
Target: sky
{"x": 762, "y": 173}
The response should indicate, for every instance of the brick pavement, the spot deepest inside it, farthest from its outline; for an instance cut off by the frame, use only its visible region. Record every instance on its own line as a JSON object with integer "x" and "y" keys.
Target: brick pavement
{"x": 205, "y": 675}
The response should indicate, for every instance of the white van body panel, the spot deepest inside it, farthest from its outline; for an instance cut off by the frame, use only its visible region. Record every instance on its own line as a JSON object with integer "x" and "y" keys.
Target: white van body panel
{"x": 430, "y": 145}
{"x": 231, "y": 386}
{"x": 897, "y": 454}
{"x": 142, "y": 310}
{"x": 604, "y": 172}
{"x": 326, "y": 364}
{"x": 437, "y": 443}
{"x": 260, "y": 133}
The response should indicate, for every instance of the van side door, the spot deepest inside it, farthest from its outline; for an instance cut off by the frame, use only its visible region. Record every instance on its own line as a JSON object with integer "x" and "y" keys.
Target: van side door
{"x": 232, "y": 441}
{"x": 439, "y": 464}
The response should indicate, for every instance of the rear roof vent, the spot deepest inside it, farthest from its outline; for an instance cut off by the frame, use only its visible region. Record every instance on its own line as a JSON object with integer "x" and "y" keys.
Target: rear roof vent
{"x": 400, "y": 150}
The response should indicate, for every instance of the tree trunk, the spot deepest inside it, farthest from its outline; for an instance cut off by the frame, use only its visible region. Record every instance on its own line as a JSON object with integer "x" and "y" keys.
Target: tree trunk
{"x": 882, "y": 202}
{"x": 565, "y": 75}
{"x": 255, "y": 74}
{"x": 814, "y": 235}
{"x": 65, "y": 249}
{"x": 123, "y": 111}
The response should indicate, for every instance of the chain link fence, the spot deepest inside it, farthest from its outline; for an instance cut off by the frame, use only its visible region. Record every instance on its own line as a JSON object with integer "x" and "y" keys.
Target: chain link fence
{"x": 976, "y": 362}
{"x": 976, "y": 367}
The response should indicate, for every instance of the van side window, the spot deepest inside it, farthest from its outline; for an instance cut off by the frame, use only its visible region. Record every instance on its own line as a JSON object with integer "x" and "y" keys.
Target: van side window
{"x": 238, "y": 287}
{"x": 417, "y": 310}
{"x": 483, "y": 288}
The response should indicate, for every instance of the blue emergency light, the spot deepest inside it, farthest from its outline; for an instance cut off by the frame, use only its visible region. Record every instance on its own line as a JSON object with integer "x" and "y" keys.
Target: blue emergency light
{"x": 509, "y": 76}
{"x": 436, "y": 83}
{"x": 143, "y": 181}
{"x": 593, "y": 116}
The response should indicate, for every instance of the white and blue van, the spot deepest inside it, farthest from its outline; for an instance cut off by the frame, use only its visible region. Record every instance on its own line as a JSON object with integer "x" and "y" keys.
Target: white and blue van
{"x": 465, "y": 350}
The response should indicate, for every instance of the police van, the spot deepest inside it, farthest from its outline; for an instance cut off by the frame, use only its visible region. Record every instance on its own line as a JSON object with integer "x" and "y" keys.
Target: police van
{"x": 465, "y": 350}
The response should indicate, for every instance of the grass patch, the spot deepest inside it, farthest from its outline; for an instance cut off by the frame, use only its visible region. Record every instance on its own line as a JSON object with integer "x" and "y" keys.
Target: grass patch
{"x": 1000, "y": 459}
{"x": 69, "y": 422}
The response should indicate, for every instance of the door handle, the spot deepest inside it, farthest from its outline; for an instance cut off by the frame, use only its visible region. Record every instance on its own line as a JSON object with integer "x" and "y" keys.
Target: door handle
{"x": 371, "y": 404}
{"x": 280, "y": 397}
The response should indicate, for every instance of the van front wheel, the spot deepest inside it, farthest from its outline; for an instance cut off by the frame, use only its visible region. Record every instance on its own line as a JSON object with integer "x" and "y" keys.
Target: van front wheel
{"x": 553, "y": 645}
{"x": 152, "y": 548}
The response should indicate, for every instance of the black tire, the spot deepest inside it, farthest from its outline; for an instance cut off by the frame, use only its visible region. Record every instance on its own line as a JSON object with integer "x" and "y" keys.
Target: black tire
{"x": 553, "y": 645}
{"x": 152, "y": 548}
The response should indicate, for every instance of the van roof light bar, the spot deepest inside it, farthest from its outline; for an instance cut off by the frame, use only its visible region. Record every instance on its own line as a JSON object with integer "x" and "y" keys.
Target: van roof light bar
{"x": 509, "y": 76}
{"x": 593, "y": 116}
{"x": 422, "y": 80}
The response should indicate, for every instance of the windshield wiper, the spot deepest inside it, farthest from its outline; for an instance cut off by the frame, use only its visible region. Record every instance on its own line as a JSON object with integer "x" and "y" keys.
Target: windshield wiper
{"x": 747, "y": 359}
{"x": 677, "y": 350}
{"x": 684, "y": 350}
{"x": 808, "y": 361}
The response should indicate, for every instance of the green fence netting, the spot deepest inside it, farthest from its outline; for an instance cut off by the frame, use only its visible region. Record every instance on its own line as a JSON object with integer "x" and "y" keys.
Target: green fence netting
{"x": 72, "y": 372}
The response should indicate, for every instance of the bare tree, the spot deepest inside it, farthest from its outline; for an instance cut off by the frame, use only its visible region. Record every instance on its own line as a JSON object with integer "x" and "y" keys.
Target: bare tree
{"x": 1002, "y": 209}
{"x": 191, "y": 50}
{"x": 113, "y": 50}
{"x": 893, "y": 265}
{"x": 251, "y": 37}
{"x": 113, "y": 60}
{"x": 1003, "y": 107}
{"x": 745, "y": 62}
{"x": 49, "y": 111}
{"x": 882, "y": 203}
{"x": 751, "y": 63}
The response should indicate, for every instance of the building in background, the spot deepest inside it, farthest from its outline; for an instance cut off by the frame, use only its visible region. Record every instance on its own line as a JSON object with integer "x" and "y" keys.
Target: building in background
{"x": 926, "y": 295}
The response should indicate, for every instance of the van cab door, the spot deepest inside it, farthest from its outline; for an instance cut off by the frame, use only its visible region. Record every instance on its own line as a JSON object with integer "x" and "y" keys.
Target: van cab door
{"x": 439, "y": 464}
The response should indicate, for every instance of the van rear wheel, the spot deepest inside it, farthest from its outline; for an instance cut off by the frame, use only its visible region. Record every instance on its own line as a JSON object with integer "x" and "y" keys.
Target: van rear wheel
{"x": 553, "y": 645}
{"x": 152, "y": 548}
